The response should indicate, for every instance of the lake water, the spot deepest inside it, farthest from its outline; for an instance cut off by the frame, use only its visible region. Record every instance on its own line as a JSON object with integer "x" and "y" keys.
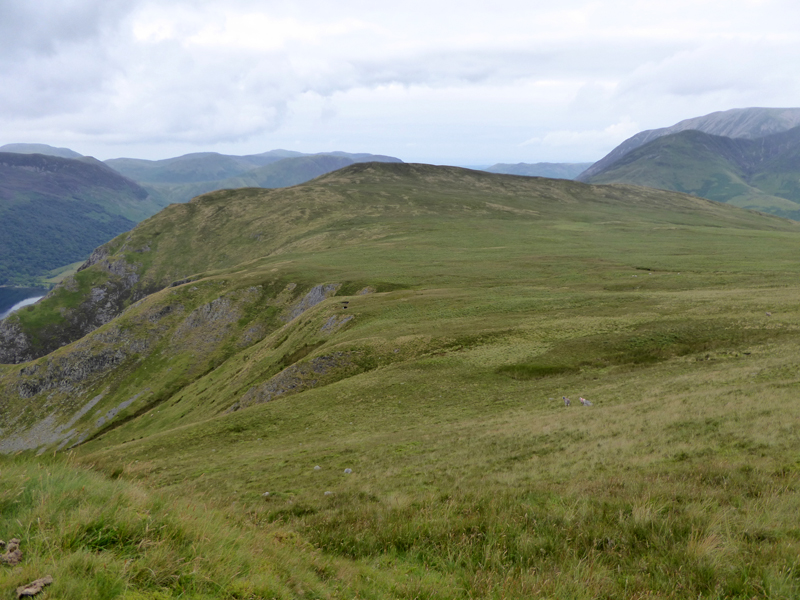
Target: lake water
{"x": 18, "y": 305}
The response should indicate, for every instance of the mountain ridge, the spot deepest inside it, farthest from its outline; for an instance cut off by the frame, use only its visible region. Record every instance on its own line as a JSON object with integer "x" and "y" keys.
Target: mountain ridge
{"x": 46, "y": 149}
{"x": 207, "y": 167}
{"x": 329, "y": 369}
{"x": 760, "y": 173}
{"x": 188, "y": 241}
{"x": 748, "y": 123}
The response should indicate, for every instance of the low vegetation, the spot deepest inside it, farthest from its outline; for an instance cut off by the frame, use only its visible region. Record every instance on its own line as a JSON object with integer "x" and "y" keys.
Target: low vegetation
{"x": 436, "y": 459}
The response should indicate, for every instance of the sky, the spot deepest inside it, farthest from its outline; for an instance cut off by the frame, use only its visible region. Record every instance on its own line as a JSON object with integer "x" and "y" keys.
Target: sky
{"x": 436, "y": 81}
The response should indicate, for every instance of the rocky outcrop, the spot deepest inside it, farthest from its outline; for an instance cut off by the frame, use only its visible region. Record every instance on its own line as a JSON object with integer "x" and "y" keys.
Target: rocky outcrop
{"x": 64, "y": 372}
{"x": 12, "y": 555}
{"x": 15, "y": 346}
{"x": 316, "y": 295}
{"x": 296, "y": 378}
{"x": 103, "y": 303}
{"x": 41, "y": 403}
{"x": 34, "y": 587}
{"x": 335, "y": 322}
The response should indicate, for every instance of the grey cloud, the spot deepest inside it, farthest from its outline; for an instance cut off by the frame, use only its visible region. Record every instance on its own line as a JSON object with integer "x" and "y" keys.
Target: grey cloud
{"x": 736, "y": 67}
{"x": 78, "y": 66}
{"x": 44, "y": 26}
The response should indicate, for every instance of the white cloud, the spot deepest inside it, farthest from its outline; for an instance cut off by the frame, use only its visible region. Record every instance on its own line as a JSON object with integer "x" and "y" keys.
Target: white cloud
{"x": 455, "y": 81}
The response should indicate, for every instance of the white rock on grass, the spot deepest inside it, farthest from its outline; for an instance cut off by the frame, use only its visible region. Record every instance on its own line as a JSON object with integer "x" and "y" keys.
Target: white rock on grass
{"x": 317, "y": 468}
{"x": 348, "y": 471}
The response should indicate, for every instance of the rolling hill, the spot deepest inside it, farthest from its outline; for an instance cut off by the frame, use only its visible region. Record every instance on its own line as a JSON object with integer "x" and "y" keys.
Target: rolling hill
{"x": 352, "y": 388}
{"x": 760, "y": 174}
{"x": 54, "y": 211}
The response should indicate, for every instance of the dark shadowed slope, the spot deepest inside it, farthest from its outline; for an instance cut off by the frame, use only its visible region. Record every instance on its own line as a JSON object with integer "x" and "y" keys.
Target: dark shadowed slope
{"x": 54, "y": 211}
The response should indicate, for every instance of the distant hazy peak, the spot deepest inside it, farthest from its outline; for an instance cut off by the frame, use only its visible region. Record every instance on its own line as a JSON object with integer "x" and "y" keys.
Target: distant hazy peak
{"x": 40, "y": 149}
{"x": 542, "y": 169}
{"x": 748, "y": 123}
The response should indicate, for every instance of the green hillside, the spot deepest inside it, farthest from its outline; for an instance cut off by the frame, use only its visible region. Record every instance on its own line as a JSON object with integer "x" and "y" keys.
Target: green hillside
{"x": 759, "y": 174}
{"x": 410, "y": 331}
{"x": 54, "y": 211}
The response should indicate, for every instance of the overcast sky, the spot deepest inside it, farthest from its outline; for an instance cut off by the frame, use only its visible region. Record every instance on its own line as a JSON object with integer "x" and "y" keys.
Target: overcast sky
{"x": 439, "y": 81}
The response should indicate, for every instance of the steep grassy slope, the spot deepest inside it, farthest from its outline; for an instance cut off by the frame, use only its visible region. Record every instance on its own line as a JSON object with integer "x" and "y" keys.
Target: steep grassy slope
{"x": 758, "y": 174}
{"x": 418, "y": 326}
{"x": 54, "y": 211}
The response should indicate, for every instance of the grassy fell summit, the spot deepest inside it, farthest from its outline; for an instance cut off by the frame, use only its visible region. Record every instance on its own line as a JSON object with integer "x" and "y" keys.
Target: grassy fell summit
{"x": 353, "y": 386}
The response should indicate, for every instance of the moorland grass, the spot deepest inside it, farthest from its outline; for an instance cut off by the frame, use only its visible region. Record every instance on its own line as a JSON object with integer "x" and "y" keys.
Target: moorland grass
{"x": 469, "y": 478}
{"x": 100, "y": 537}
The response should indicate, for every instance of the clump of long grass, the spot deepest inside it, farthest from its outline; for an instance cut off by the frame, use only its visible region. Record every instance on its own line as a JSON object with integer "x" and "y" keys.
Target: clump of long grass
{"x": 104, "y": 538}
{"x": 526, "y": 543}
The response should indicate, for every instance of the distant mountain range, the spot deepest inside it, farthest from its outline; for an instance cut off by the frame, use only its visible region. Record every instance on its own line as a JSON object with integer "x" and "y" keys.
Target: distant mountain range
{"x": 746, "y": 157}
{"x": 40, "y": 149}
{"x": 182, "y": 178}
{"x": 56, "y": 205}
{"x": 551, "y": 170}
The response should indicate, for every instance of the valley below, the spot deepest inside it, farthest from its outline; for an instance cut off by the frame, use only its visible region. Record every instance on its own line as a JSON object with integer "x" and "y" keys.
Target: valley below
{"x": 353, "y": 388}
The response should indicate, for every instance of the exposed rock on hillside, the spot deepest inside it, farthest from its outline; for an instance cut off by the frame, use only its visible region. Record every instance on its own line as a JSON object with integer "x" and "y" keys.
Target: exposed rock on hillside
{"x": 315, "y": 296}
{"x": 44, "y": 403}
{"x": 297, "y": 378}
{"x": 52, "y": 388}
{"x": 116, "y": 289}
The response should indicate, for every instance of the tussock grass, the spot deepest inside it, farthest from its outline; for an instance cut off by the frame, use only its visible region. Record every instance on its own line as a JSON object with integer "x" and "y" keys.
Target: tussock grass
{"x": 100, "y": 537}
{"x": 492, "y": 298}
